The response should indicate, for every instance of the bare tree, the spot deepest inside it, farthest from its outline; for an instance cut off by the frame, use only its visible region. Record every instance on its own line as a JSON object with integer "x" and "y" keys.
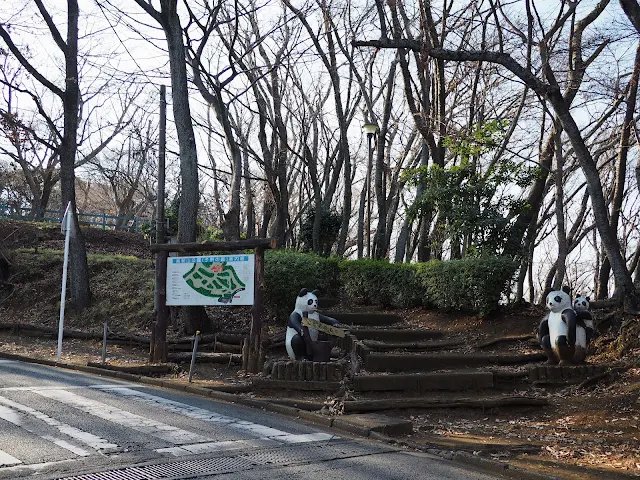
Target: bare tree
{"x": 70, "y": 98}
{"x": 195, "y": 318}
{"x": 129, "y": 172}
{"x": 330, "y": 62}
{"x": 547, "y": 87}
{"x": 35, "y": 142}
{"x": 167, "y": 17}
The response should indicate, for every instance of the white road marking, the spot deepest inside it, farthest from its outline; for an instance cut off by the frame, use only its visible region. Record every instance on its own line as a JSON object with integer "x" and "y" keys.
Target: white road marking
{"x": 216, "y": 447}
{"x": 260, "y": 431}
{"x": 185, "y": 442}
{"x": 57, "y": 387}
{"x": 87, "y": 438}
{"x": 7, "y": 460}
{"x": 305, "y": 437}
{"x": 17, "y": 419}
{"x": 160, "y": 430}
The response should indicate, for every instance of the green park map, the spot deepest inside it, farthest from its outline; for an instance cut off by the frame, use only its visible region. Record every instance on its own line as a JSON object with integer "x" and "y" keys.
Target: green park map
{"x": 214, "y": 279}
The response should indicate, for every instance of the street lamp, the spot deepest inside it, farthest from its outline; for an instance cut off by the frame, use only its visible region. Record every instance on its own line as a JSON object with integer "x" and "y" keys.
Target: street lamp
{"x": 370, "y": 129}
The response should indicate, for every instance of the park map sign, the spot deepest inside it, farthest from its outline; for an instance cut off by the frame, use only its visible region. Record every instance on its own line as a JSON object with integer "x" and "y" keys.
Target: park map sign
{"x": 210, "y": 280}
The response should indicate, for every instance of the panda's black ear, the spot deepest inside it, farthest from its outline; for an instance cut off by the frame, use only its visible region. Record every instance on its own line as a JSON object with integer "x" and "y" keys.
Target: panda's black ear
{"x": 566, "y": 289}
{"x": 303, "y": 292}
{"x": 315, "y": 292}
{"x": 588, "y": 299}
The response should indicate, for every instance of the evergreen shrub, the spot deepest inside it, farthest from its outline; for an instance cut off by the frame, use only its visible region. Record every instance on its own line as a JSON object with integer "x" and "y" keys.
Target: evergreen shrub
{"x": 378, "y": 282}
{"x": 473, "y": 284}
{"x": 288, "y": 271}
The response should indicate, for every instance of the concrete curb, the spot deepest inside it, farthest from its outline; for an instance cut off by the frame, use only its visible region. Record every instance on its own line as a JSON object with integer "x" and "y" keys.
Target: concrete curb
{"x": 486, "y": 464}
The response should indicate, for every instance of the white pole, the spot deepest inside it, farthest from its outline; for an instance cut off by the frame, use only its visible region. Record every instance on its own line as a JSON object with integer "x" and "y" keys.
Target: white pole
{"x": 63, "y": 293}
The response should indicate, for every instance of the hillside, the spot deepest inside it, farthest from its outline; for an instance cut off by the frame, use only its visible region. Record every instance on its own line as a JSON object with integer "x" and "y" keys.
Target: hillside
{"x": 586, "y": 431}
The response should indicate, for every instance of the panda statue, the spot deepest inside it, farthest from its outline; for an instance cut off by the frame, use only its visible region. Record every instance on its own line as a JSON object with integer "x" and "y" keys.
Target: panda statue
{"x": 585, "y": 320}
{"x": 306, "y": 306}
{"x": 562, "y": 336}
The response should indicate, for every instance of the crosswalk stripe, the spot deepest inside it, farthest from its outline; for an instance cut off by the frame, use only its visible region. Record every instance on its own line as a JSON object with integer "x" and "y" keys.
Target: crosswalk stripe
{"x": 7, "y": 460}
{"x": 210, "y": 447}
{"x": 163, "y": 431}
{"x": 305, "y": 437}
{"x": 260, "y": 431}
{"x": 184, "y": 442}
{"x": 55, "y": 387}
{"x": 15, "y": 418}
{"x": 87, "y": 438}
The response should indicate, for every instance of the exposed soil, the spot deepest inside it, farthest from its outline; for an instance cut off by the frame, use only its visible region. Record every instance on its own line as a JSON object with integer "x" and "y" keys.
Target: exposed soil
{"x": 589, "y": 432}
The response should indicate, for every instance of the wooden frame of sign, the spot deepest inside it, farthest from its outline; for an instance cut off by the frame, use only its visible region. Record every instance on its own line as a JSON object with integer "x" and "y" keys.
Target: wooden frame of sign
{"x": 158, "y": 350}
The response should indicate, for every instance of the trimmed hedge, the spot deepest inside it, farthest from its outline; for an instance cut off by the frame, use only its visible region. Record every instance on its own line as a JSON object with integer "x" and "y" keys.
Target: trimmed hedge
{"x": 473, "y": 284}
{"x": 378, "y": 282}
{"x": 288, "y": 271}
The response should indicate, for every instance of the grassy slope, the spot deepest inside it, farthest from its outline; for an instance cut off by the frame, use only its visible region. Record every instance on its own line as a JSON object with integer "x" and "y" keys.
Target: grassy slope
{"x": 122, "y": 289}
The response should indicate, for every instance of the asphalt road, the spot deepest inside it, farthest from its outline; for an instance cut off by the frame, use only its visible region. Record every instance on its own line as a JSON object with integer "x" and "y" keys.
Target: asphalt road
{"x": 57, "y": 423}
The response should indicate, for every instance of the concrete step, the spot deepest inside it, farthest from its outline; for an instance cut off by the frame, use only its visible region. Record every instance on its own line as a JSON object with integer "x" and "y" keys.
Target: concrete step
{"x": 395, "y": 334}
{"x": 452, "y": 381}
{"x": 484, "y": 402}
{"x": 365, "y": 318}
{"x": 486, "y": 443}
{"x": 411, "y": 362}
{"x": 373, "y": 422}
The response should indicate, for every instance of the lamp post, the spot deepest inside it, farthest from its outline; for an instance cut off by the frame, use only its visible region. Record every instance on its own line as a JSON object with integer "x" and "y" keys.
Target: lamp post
{"x": 370, "y": 129}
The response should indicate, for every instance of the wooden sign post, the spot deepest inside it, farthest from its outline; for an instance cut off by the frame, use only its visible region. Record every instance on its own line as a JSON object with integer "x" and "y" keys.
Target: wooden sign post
{"x": 158, "y": 351}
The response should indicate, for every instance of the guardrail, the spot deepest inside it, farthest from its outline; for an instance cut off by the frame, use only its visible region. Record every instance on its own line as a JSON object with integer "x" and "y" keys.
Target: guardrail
{"x": 99, "y": 220}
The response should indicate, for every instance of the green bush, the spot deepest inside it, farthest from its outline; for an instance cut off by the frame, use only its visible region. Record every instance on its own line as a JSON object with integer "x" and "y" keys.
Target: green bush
{"x": 378, "y": 282}
{"x": 287, "y": 272}
{"x": 473, "y": 284}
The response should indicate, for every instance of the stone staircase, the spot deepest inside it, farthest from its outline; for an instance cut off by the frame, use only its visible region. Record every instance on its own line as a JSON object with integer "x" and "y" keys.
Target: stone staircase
{"x": 387, "y": 365}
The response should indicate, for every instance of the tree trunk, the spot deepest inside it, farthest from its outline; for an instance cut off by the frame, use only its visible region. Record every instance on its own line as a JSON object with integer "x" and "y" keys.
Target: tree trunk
{"x": 248, "y": 191}
{"x": 403, "y": 240}
{"x": 190, "y": 193}
{"x": 195, "y": 318}
{"x": 624, "y": 282}
{"x": 380, "y": 248}
{"x": 621, "y": 171}
{"x": 78, "y": 267}
{"x": 361, "y": 219}
{"x": 560, "y": 224}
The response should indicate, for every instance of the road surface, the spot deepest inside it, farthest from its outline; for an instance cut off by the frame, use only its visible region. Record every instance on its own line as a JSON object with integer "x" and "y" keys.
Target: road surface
{"x": 57, "y": 423}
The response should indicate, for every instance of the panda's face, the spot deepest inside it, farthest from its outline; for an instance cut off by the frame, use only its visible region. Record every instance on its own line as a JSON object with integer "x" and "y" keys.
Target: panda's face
{"x": 557, "y": 301}
{"x": 581, "y": 304}
{"x": 307, "y": 302}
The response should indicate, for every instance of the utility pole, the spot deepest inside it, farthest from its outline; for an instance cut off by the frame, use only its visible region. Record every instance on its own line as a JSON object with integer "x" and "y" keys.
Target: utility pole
{"x": 158, "y": 348}
{"x": 162, "y": 149}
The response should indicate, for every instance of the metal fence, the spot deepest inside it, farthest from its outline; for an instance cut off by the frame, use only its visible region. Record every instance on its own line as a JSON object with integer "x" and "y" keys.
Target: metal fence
{"x": 99, "y": 220}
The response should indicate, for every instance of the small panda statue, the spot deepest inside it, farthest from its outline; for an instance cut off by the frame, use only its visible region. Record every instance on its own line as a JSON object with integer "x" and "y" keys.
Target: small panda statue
{"x": 562, "y": 336}
{"x": 306, "y": 306}
{"x": 581, "y": 307}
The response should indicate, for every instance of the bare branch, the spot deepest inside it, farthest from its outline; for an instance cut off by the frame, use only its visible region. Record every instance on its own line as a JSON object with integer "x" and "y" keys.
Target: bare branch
{"x": 25, "y": 63}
